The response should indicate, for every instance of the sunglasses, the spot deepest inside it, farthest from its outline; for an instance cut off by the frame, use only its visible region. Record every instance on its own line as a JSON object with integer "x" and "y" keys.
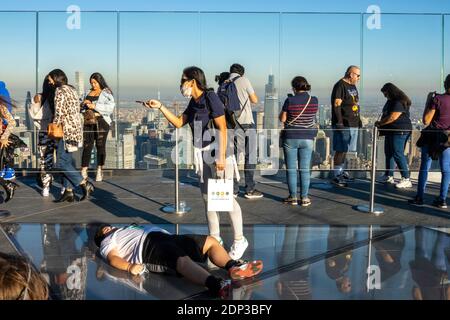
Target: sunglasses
{"x": 357, "y": 75}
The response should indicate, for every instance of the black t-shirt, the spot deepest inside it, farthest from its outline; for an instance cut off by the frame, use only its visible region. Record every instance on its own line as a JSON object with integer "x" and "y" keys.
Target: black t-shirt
{"x": 199, "y": 112}
{"x": 348, "y": 93}
{"x": 402, "y": 123}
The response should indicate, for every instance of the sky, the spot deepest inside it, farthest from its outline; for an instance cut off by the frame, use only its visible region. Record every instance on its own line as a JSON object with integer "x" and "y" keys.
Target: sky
{"x": 397, "y": 6}
{"x": 140, "y": 53}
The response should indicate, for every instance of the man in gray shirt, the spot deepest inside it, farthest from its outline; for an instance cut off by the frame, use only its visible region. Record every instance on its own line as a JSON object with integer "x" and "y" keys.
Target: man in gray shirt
{"x": 247, "y": 96}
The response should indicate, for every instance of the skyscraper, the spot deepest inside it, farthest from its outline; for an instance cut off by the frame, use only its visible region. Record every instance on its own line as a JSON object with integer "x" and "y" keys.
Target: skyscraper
{"x": 271, "y": 108}
{"x": 79, "y": 83}
{"x": 322, "y": 116}
{"x": 120, "y": 154}
{"x": 28, "y": 121}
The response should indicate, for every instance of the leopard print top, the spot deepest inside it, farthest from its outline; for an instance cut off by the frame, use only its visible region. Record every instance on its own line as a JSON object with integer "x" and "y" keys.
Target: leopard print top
{"x": 67, "y": 113}
{"x": 5, "y": 114}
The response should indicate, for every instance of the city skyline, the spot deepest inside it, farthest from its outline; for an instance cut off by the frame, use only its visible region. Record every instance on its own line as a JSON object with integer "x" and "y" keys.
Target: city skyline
{"x": 135, "y": 68}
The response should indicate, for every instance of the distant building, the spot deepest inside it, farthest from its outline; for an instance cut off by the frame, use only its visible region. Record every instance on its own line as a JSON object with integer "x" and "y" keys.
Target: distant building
{"x": 120, "y": 154}
{"x": 271, "y": 105}
{"x": 79, "y": 83}
{"x": 322, "y": 145}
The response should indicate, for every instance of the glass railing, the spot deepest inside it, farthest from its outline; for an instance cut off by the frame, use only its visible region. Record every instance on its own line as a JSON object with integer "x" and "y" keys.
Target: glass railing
{"x": 142, "y": 55}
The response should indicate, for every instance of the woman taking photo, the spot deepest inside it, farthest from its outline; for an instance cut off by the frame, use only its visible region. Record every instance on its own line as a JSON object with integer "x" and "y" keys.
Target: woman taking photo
{"x": 42, "y": 111}
{"x": 97, "y": 108}
{"x": 395, "y": 125}
{"x": 68, "y": 116}
{"x": 204, "y": 106}
{"x": 298, "y": 115}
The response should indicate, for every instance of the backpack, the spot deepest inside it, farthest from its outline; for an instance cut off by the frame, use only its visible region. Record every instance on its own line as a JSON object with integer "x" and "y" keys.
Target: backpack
{"x": 229, "y": 115}
{"x": 228, "y": 94}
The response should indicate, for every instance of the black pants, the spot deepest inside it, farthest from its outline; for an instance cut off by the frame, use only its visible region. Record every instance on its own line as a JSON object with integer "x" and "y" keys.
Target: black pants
{"x": 249, "y": 168}
{"x": 95, "y": 133}
{"x": 161, "y": 250}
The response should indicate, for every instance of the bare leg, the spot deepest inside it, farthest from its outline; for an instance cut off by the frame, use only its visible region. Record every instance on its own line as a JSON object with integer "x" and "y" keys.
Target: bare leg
{"x": 216, "y": 253}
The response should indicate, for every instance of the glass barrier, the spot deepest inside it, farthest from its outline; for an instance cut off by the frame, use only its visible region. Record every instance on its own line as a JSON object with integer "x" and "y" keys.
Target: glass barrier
{"x": 445, "y": 54}
{"x": 140, "y": 138}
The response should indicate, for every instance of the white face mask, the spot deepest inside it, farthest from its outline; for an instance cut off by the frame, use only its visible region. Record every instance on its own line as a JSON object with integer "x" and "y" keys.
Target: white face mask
{"x": 186, "y": 92}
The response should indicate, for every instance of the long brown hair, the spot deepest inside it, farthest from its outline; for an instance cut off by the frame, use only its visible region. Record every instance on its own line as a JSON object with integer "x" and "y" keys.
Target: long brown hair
{"x": 19, "y": 281}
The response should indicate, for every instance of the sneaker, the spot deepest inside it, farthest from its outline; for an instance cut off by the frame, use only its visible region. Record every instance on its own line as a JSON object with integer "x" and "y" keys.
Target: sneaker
{"x": 10, "y": 187}
{"x": 403, "y": 184}
{"x": 236, "y": 194}
{"x": 99, "y": 175}
{"x": 306, "y": 202}
{"x": 9, "y": 174}
{"x": 45, "y": 192}
{"x": 291, "y": 201}
{"x": 386, "y": 179}
{"x": 339, "y": 181}
{"x": 246, "y": 269}
{"x": 254, "y": 194}
{"x": 416, "y": 201}
{"x": 225, "y": 288}
{"x": 440, "y": 203}
{"x": 238, "y": 248}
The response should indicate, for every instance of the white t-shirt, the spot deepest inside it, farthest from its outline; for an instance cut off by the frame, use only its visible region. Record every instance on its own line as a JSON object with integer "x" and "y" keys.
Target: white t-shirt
{"x": 128, "y": 241}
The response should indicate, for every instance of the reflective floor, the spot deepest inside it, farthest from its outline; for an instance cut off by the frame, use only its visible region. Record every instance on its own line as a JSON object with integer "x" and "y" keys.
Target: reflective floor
{"x": 300, "y": 262}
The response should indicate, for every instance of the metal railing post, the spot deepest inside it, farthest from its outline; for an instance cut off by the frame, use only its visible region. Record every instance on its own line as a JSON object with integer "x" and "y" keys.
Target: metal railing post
{"x": 371, "y": 207}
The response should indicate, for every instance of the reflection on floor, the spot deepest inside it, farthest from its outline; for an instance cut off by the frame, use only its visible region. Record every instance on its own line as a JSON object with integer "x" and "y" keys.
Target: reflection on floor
{"x": 301, "y": 262}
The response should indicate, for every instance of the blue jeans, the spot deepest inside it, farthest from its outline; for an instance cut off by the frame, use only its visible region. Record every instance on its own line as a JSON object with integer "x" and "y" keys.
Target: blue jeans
{"x": 301, "y": 150}
{"x": 394, "y": 150}
{"x": 345, "y": 140}
{"x": 64, "y": 163}
{"x": 425, "y": 164}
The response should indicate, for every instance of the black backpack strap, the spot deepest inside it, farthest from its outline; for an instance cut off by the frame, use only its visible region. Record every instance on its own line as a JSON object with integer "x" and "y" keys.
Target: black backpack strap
{"x": 235, "y": 78}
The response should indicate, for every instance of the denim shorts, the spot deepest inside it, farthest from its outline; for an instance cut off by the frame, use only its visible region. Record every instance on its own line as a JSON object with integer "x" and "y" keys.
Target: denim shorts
{"x": 345, "y": 140}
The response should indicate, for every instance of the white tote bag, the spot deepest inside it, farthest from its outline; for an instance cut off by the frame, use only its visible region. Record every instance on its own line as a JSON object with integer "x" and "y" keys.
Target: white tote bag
{"x": 220, "y": 195}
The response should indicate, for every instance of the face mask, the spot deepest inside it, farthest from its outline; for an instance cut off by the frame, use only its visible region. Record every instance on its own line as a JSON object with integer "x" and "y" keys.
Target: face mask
{"x": 186, "y": 92}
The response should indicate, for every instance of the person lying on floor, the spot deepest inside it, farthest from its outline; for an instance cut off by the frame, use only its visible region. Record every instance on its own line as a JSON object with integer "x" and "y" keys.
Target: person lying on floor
{"x": 136, "y": 249}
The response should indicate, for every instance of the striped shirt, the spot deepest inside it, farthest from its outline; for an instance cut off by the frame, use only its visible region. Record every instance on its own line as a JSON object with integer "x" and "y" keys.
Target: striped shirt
{"x": 300, "y": 127}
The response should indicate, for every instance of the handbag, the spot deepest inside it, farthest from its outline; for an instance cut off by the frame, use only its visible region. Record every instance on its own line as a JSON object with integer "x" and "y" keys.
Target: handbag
{"x": 55, "y": 131}
{"x": 90, "y": 117}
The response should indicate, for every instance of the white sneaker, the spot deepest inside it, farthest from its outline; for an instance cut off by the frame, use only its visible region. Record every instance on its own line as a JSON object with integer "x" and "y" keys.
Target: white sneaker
{"x": 45, "y": 192}
{"x": 404, "y": 183}
{"x": 238, "y": 248}
{"x": 99, "y": 176}
{"x": 386, "y": 179}
{"x": 63, "y": 190}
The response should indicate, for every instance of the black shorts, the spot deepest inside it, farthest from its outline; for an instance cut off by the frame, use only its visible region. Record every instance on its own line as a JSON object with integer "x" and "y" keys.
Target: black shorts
{"x": 161, "y": 250}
